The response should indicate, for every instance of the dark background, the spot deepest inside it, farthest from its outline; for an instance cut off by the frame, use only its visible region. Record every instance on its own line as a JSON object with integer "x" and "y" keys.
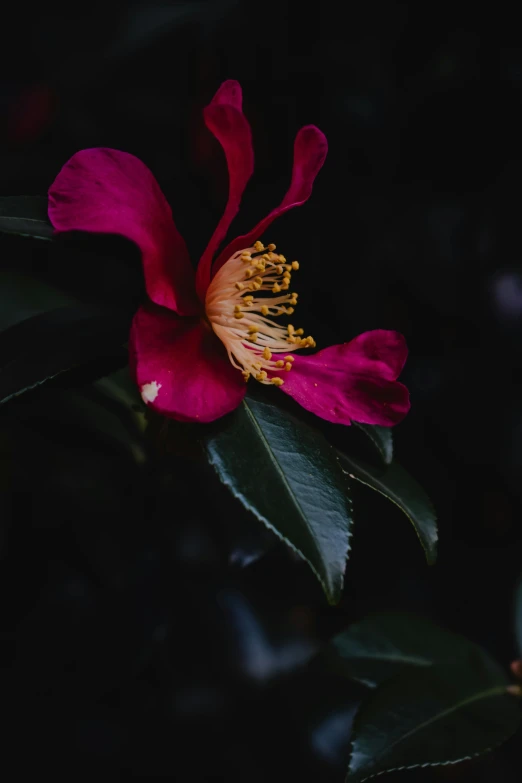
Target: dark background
{"x": 148, "y": 626}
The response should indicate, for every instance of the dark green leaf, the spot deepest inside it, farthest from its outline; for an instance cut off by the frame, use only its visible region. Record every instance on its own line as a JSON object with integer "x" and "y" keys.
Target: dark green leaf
{"x": 22, "y": 297}
{"x": 432, "y": 716}
{"x": 109, "y": 419}
{"x": 119, "y": 387}
{"x": 381, "y": 438}
{"x": 287, "y": 474}
{"x": 399, "y": 487}
{"x": 382, "y": 645}
{"x": 45, "y": 345}
{"x": 25, "y": 215}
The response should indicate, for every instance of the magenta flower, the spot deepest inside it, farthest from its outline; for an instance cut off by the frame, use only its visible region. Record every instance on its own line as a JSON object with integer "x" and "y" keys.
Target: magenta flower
{"x": 202, "y": 335}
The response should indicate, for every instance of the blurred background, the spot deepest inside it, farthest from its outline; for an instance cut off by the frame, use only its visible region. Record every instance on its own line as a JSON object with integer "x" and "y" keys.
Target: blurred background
{"x": 147, "y": 628}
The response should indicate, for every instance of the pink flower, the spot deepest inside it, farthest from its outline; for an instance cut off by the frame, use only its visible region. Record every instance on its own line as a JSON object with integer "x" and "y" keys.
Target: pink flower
{"x": 201, "y": 336}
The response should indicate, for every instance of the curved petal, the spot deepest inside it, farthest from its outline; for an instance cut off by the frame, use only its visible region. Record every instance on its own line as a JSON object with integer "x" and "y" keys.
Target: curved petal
{"x": 354, "y": 381}
{"x": 225, "y": 119}
{"x": 106, "y": 191}
{"x": 181, "y": 368}
{"x": 310, "y": 149}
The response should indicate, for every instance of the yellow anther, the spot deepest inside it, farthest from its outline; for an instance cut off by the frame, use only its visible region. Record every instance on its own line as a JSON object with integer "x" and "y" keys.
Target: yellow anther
{"x": 295, "y": 295}
{"x": 235, "y": 293}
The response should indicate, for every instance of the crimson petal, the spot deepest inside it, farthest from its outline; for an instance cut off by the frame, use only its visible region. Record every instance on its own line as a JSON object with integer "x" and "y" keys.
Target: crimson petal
{"x": 106, "y": 191}
{"x": 354, "y": 381}
{"x": 181, "y": 368}
{"x": 225, "y": 119}
{"x": 310, "y": 149}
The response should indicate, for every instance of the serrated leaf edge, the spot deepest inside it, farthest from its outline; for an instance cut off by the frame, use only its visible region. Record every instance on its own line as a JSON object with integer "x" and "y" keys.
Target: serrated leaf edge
{"x": 498, "y": 690}
{"x": 332, "y": 598}
{"x": 387, "y": 459}
{"x": 429, "y": 559}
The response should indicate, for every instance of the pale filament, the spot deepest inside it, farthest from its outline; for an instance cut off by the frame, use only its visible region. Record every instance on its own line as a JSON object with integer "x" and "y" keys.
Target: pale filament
{"x": 251, "y": 286}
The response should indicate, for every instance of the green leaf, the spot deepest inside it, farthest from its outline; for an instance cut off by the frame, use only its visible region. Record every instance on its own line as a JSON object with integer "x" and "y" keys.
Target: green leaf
{"x": 86, "y": 408}
{"x": 22, "y": 296}
{"x": 287, "y": 474}
{"x": 25, "y": 215}
{"x": 440, "y": 698}
{"x": 381, "y": 438}
{"x": 398, "y": 486}
{"x": 433, "y": 716}
{"x": 383, "y": 645}
{"x": 50, "y": 343}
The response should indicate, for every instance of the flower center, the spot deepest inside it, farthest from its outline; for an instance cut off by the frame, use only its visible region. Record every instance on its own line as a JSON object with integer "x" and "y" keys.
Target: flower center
{"x": 242, "y": 300}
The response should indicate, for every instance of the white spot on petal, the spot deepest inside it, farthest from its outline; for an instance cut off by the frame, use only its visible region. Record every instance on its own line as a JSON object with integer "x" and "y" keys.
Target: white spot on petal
{"x": 149, "y": 391}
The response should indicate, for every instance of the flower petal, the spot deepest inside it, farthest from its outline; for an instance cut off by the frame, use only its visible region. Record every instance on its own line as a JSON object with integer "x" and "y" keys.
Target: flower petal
{"x": 310, "y": 149}
{"x": 354, "y": 381}
{"x": 111, "y": 192}
{"x": 225, "y": 119}
{"x": 181, "y": 368}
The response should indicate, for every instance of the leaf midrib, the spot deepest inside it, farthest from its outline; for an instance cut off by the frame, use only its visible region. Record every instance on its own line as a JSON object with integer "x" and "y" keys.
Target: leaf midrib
{"x": 498, "y": 690}
{"x": 393, "y": 658}
{"x": 387, "y": 492}
{"x": 282, "y": 476}
{"x": 26, "y": 219}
